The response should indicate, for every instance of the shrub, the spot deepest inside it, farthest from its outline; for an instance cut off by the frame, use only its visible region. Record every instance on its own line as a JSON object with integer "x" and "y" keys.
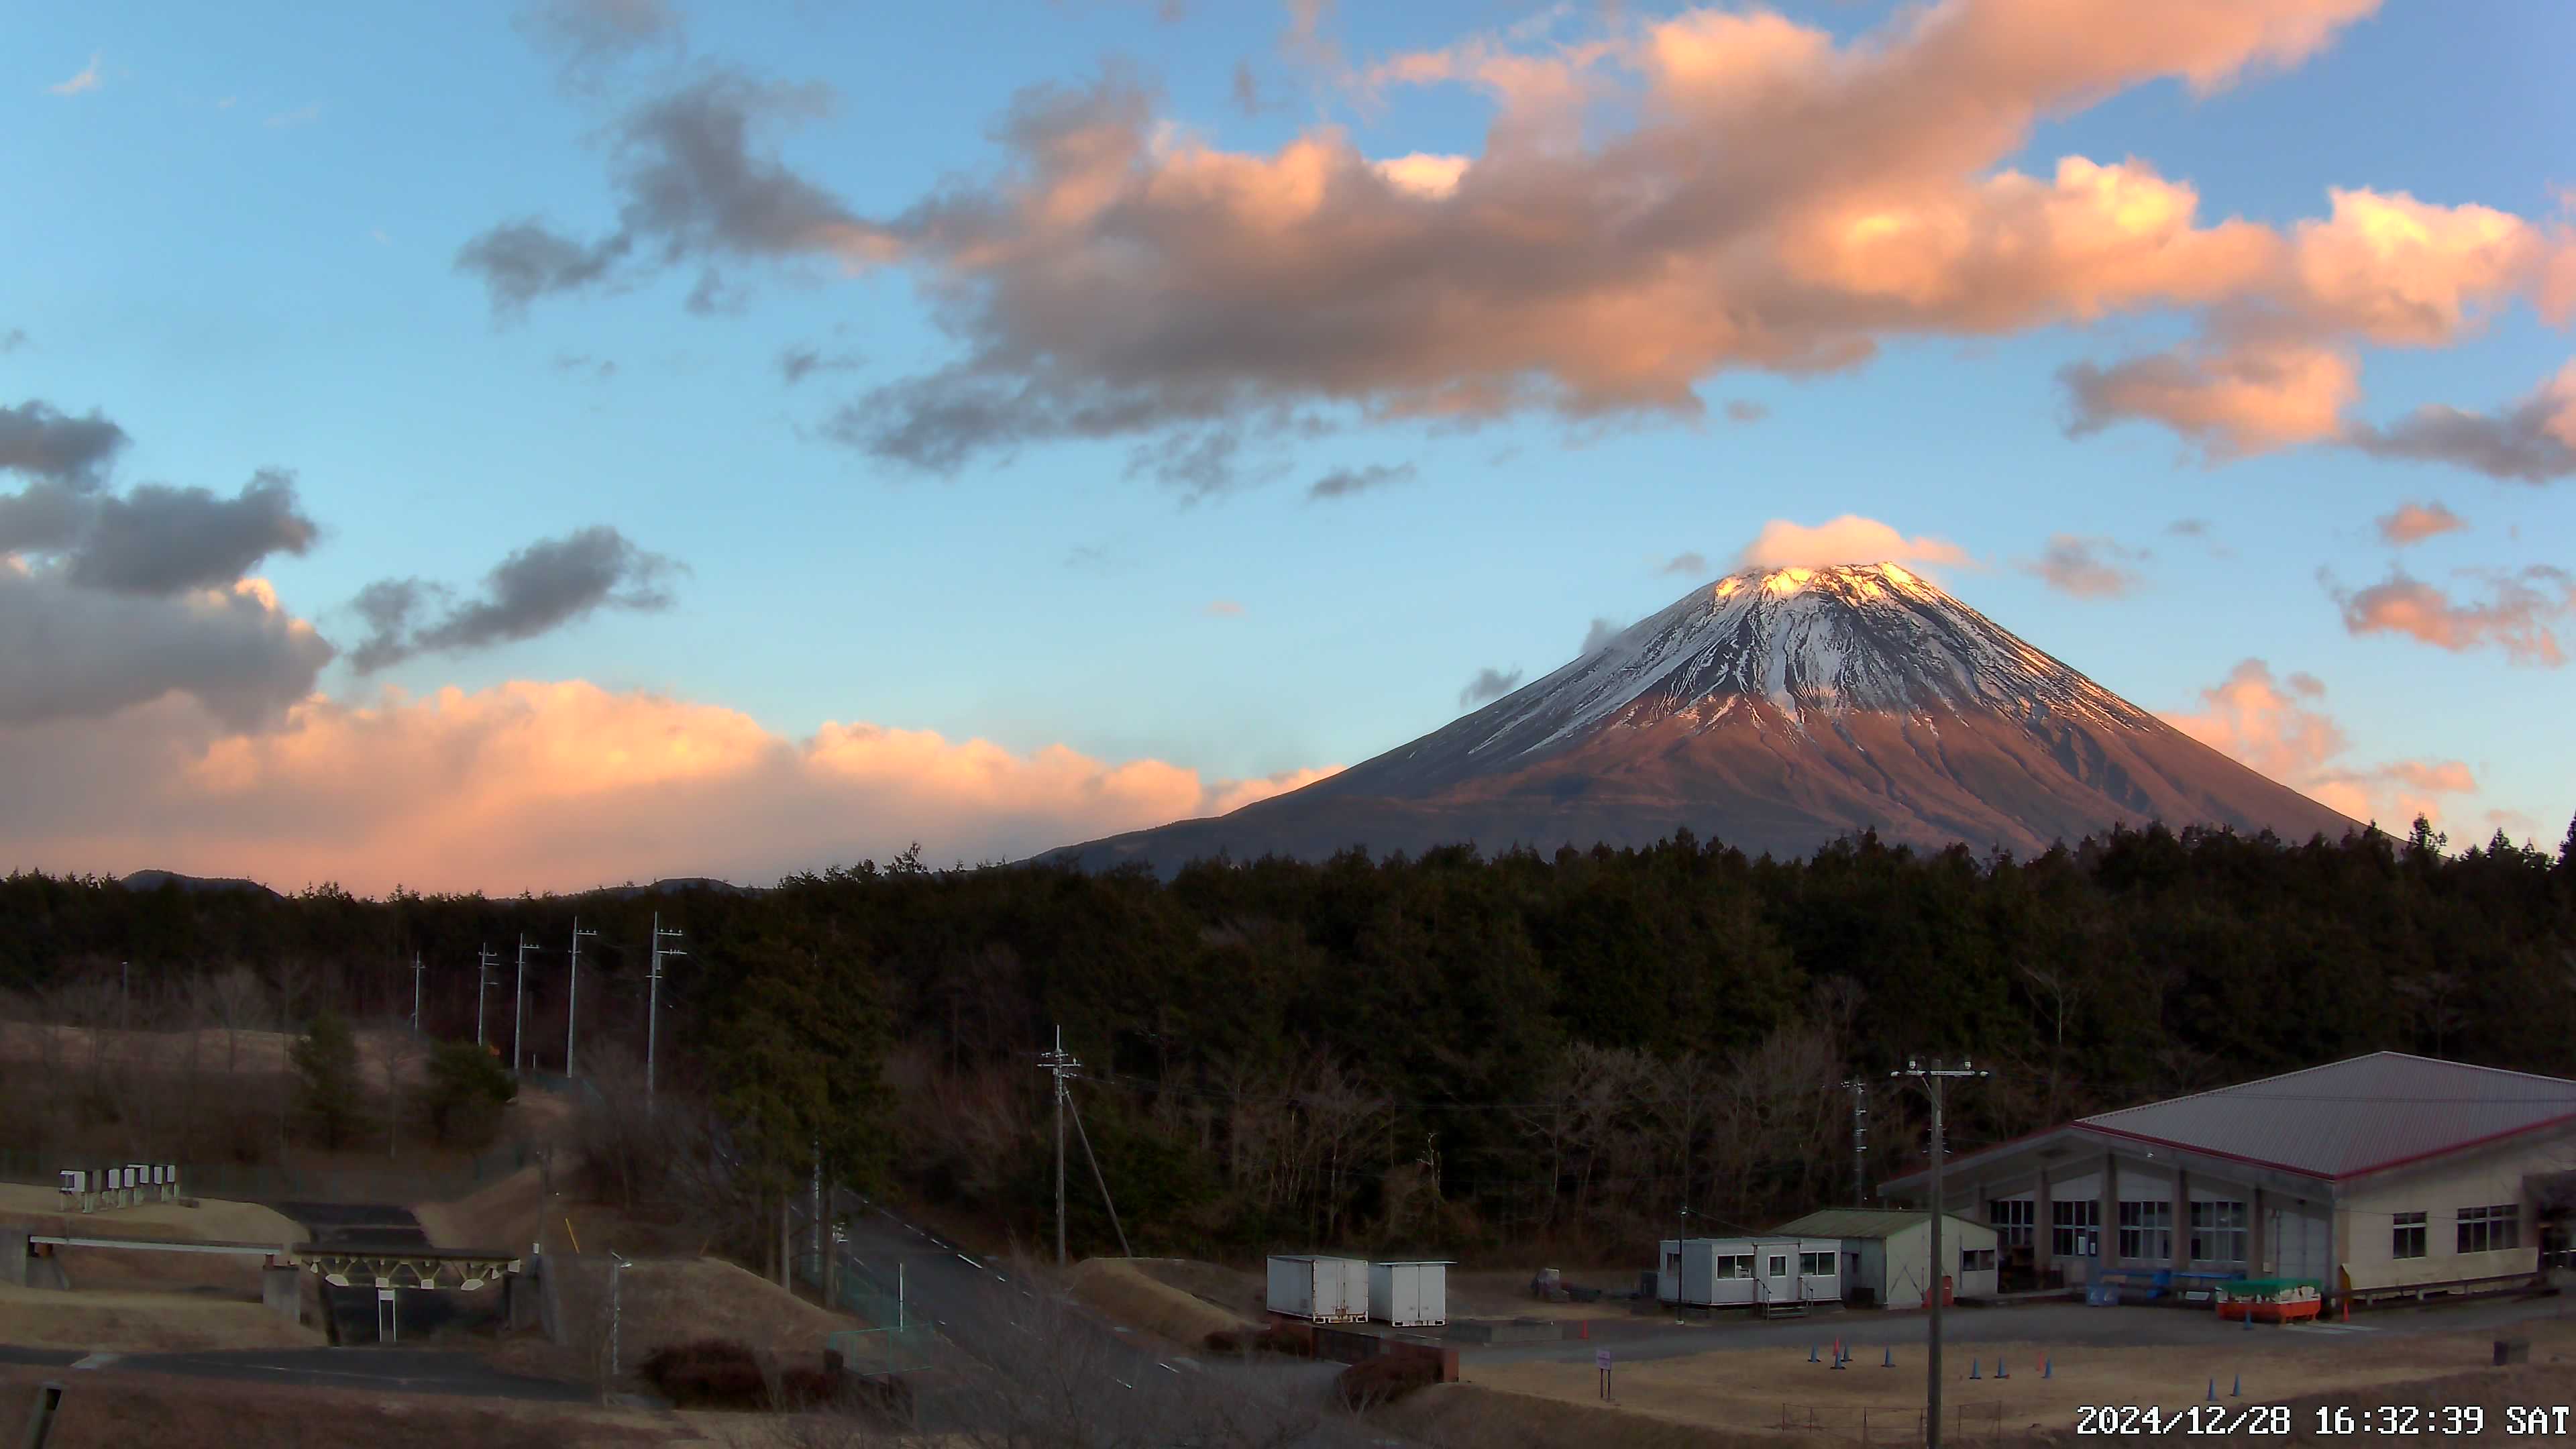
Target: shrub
{"x": 803, "y": 1388}
{"x": 711, "y": 1373}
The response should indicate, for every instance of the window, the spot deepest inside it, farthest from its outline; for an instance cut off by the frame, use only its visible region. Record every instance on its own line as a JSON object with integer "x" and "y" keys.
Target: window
{"x": 2406, "y": 1236}
{"x": 1816, "y": 1265}
{"x": 2075, "y": 1228}
{"x": 2218, "y": 1232}
{"x": 1735, "y": 1265}
{"x": 1779, "y": 1265}
{"x": 1977, "y": 1260}
{"x": 2012, "y": 1218}
{"x": 2146, "y": 1231}
{"x": 2490, "y": 1229}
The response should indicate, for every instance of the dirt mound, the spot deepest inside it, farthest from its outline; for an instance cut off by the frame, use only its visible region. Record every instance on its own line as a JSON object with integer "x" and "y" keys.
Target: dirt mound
{"x": 211, "y": 1220}
{"x": 1133, "y": 1297}
{"x": 114, "y": 1409}
{"x": 663, "y": 1302}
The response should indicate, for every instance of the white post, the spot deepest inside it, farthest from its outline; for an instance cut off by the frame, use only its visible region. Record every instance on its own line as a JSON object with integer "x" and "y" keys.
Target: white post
{"x": 572, "y": 1012}
{"x": 519, "y": 1006}
{"x": 415, "y": 993}
{"x": 653, "y": 1002}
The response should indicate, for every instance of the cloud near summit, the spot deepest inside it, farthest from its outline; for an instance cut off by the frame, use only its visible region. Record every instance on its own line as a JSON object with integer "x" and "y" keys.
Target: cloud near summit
{"x": 1777, "y": 202}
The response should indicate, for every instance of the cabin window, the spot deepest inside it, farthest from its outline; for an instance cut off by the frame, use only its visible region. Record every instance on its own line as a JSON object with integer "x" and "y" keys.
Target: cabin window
{"x": 1977, "y": 1260}
{"x": 2146, "y": 1231}
{"x": 1816, "y": 1265}
{"x": 2490, "y": 1229}
{"x": 2075, "y": 1228}
{"x": 1779, "y": 1265}
{"x": 2406, "y": 1236}
{"x": 2218, "y": 1232}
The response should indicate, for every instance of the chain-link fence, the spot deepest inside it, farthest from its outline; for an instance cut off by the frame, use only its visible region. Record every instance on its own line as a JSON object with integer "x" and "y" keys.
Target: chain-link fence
{"x": 898, "y": 1338}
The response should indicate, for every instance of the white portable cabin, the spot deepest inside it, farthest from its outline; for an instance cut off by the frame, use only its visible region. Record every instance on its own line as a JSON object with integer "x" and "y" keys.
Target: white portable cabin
{"x": 1748, "y": 1272}
{"x": 1887, "y": 1253}
{"x": 1324, "y": 1290}
{"x": 1409, "y": 1295}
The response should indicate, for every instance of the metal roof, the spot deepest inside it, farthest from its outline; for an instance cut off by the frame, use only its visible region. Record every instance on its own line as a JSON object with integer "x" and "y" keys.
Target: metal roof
{"x": 2350, "y": 1117}
{"x": 1865, "y": 1223}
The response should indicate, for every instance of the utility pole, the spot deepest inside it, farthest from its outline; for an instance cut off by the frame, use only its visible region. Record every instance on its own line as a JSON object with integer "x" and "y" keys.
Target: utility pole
{"x": 125, "y": 994}
{"x": 572, "y": 1011}
{"x": 483, "y": 963}
{"x": 415, "y": 993}
{"x": 1930, "y": 1079}
{"x": 1062, "y": 1064}
{"x": 1860, "y": 1140}
{"x": 653, "y": 1002}
{"x": 519, "y": 1005}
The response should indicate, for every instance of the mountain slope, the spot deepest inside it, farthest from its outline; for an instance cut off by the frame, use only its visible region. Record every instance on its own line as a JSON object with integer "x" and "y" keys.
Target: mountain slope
{"x": 1775, "y": 710}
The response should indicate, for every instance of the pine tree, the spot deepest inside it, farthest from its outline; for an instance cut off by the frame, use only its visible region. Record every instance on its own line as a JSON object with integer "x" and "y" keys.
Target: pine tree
{"x": 326, "y": 1071}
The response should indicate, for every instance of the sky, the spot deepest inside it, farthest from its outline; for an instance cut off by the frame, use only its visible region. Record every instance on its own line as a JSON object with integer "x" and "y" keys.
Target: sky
{"x": 529, "y": 445}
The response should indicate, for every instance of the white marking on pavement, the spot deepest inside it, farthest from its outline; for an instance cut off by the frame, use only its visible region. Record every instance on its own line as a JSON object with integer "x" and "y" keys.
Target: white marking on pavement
{"x": 97, "y": 1360}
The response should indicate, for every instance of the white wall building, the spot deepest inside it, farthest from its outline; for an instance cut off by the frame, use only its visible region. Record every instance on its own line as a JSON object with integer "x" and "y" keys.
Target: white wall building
{"x": 2386, "y": 1175}
{"x": 1887, "y": 1253}
{"x": 1748, "y": 1272}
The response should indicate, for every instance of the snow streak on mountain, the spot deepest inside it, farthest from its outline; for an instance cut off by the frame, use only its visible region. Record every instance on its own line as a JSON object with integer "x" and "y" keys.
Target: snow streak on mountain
{"x": 1775, "y": 710}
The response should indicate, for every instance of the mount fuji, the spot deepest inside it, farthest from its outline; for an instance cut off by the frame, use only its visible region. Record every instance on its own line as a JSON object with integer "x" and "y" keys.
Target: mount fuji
{"x": 1773, "y": 710}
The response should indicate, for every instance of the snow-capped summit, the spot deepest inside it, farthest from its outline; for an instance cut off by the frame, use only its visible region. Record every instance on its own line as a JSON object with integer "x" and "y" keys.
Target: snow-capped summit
{"x": 1774, "y": 709}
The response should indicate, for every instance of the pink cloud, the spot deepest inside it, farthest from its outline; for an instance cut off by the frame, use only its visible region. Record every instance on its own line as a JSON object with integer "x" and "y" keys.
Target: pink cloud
{"x": 2416, "y": 522}
{"x": 2518, "y": 618}
{"x": 2280, "y": 727}
{"x": 552, "y": 787}
{"x": 1848, "y": 539}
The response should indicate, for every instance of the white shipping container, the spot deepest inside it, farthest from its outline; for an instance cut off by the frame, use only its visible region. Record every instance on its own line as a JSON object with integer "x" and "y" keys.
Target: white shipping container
{"x": 1324, "y": 1290}
{"x": 1409, "y": 1295}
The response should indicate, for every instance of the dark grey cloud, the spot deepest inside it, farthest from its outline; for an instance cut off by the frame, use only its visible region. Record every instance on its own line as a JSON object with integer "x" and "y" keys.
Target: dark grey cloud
{"x": 2189, "y": 528}
{"x": 2087, "y": 567}
{"x": 162, "y": 540}
{"x": 78, "y": 653}
{"x": 1692, "y": 564}
{"x": 1247, "y": 90}
{"x": 45, "y": 442}
{"x": 541, "y": 587}
{"x": 690, "y": 186}
{"x": 800, "y": 362}
{"x": 1598, "y": 637}
{"x": 2530, "y": 441}
{"x": 44, "y": 517}
{"x": 1488, "y": 684}
{"x": 1742, "y": 411}
{"x": 12, "y": 340}
{"x": 522, "y": 261}
{"x": 1344, "y": 482}
{"x": 582, "y": 364}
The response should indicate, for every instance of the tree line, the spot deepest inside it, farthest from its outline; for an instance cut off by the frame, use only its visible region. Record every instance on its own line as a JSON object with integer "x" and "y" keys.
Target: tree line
{"x": 1448, "y": 1051}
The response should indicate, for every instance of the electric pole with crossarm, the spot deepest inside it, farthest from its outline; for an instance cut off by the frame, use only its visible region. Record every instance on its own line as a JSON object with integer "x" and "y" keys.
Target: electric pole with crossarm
{"x": 1931, "y": 1079}
{"x": 572, "y": 1010}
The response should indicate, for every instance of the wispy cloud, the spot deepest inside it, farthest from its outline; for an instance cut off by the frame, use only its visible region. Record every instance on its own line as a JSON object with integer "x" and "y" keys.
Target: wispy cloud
{"x": 12, "y": 340}
{"x": 1742, "y": 411}
{"x": 1692, "y": 564}
{"x": 1223, "y": 609}
{"x": 1850, "y": 539}
{"x": 2518, "y": 617}
{"x": 2280, "y": 726}
{"x": 303, "y": 115}
{"x": 1346, "y": 482}
{"x": 2088, "y": 567}
{"x": 85, "y": 81}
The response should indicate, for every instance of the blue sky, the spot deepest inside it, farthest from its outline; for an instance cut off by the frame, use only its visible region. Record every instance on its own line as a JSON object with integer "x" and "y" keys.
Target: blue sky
{"x": 241, "y": 243}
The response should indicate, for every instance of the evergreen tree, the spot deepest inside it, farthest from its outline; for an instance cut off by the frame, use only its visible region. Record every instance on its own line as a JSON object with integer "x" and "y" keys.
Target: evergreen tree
{"x": 326, "y": 1078}
{"x": 467, "y": 1089}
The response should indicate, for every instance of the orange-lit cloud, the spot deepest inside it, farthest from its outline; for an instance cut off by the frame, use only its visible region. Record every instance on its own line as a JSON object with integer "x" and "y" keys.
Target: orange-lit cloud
{"x": 2279, "y": 726}
{"x": 551, "y": 787}
{"x": 1775, "y": 200}
{"x": 2518, "y": 619}
{"x": 1845, "y": 540}
{"x": 2415, "y": 522}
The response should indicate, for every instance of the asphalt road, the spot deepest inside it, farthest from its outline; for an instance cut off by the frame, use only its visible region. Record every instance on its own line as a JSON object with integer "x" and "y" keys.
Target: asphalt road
{"x": 389, "y": 1370}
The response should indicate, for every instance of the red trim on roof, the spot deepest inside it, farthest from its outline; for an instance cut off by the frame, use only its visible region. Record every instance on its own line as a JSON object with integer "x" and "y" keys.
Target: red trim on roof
{"x": 2560, "y": 1120}
{"x": 2293, "y": 1170}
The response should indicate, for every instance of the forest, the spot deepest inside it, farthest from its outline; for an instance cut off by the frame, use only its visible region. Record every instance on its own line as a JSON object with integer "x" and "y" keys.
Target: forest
{"x": 1449, "y": 1052}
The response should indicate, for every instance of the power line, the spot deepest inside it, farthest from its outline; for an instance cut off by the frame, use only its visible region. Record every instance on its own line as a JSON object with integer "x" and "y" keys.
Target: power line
{"x": 1931, "y": 1079}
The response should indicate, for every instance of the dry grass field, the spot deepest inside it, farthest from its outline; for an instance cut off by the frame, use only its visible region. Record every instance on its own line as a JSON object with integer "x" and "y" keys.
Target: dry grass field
{"x": 143, "y": 1322}
{"x": 246, "y": 1053}
{"x": 1735, "y": 1392}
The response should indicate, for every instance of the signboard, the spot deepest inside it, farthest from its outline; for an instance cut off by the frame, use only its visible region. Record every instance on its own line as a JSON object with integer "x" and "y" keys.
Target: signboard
{"x": 1601, "y": 1358}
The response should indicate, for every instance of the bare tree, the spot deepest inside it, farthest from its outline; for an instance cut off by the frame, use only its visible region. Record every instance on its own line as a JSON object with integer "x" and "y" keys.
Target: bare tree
{"x": 235, "y": 1001}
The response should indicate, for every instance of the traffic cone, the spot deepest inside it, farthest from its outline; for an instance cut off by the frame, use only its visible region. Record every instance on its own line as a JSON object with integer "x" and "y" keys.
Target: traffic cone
{"x": 2238, "y": 1392}
{"x": 2000, "y": 1372}
{"x": 1890, "y": 1360}
{"x": 1972, "y": 1369}
{"x": 1811, "y": 1354}
{"x": 2213, "y": 1391}
{"x": 2047, "y": 1367}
